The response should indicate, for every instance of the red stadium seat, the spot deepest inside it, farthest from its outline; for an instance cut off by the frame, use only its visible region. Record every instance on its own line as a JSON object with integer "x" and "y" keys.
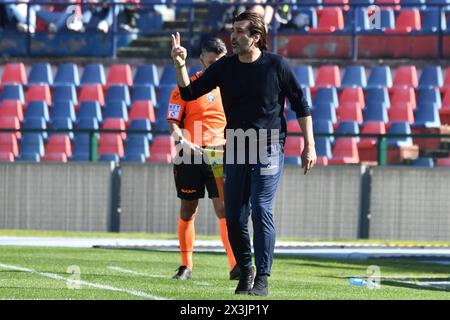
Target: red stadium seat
{"x": 8, "y": 143}
{"x": 322, "y": 161}
{"x": 367, "y": 146}
{"x": 331, "y": 19}
{"x": 406, "y": 76}
{"x": 120, "y": 74}
{"x": 395, "y": 2}
{"x": 59, "y": 143}
{"x": 142, "y": 109}
{"x": 293, "y": 126}
{"x": 39, "y": 92}
{"x": 443, "y": 162}
{"x": 6, "y": 156}
{"x": 115, "y": 123}
{"x": 345, "y": 151}
{"x": 111, "y": 143}
{"x": 446, "y": 85}
{"x": 355, "y": 94}
{"x": 407, "y": 21}
{"x": 350, "y": 111}
{"x": 92, "y": 92}
{"x": 403, "y": 94}
{"x": 162, "y": 149}
{"x": 328, "y": 76}
{"x": 401, "y": 112}
{"x": 444, "y": 112}
{"x": 11, "y": 123}
{"x": 293, "y": 146}
{"x": 14, "y": 73}
{"x": 343, "y": 4}
{"x": 54, "y": 157}
{"x": 11, "y": 108}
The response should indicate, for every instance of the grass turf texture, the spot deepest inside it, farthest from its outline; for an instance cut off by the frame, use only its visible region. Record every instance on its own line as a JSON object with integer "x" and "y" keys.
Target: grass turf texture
{"x": 293, "y": 277}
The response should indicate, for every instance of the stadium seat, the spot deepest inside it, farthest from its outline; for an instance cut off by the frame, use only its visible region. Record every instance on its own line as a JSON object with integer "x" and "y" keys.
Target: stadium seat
{"x": 385, "y": 20}
{"x": 324, "y": 111}
{"x": 137, "y": 145}
{"x": 8, "y": 144}
{"x": 115, "y": 124}
{"x": 168, "y": 76}
{"x": 40, "y": 73}
{"x": 164, "y": 96}
{"x": 289, "y": 114}
{"x": 162, "y": 149}
{"x": 307, "y": 16}
{"x": 11, "y": 123}
{"x": 389, "y": 4}
{"x": 406, "y": 76}
{"x": 65, "y": 92}
{"x": 292, "y": 161}
{"x": 134, "y": 157}
{"x": 67, "y": 73}
{"x": 54, "y": 157}
{"x": 407, "y": 21}
{"x": 110, "y": 157}
{"x": 13, "y": 92}
{"x": 361, "y": 2}
{"x": 90, "y": 110}
{"x": 62, "y": 124}
{"x": 348, "y": 127}
{"x": 11, "y": 108}
{"x": 32, "y": 143}
{"x": 350, "y": 111}
{"x": 141, "y": 124}
{"x": 380, "y": 76}
{"x": 81, "y": 147}
{"x": 443, "y": 162}
{"x": 446, "y": 84}
{"x": 144, "y": 92}
{"x": 323, "y": 126}
{"x": 376, "y": 111}
{"x": 343, "y": 4}
{"x": 367, "y": 146}
{"x": 323, "y": 147}
{"x": 431, "y": 76}
{"x": 37, "y": 109}
{"x": 14, "y": 73}
{"x": 430, "y": 94}
{"x": 120, "y": 74}
{"x": 194, "y": 69}
{"x": 293, "y": 126}
{"x": 327, "y": 95}
{"x": 64, "y": 110}
{"x": 419, "y": 4}
{"x": 427, "y": 116}
{"x": 444, "y": 112}
{"x": 142, "y": 109}
{"x": 304, "y": 75}
{"x": 352, "y": 95}
{"x": 7, "y": 157}
{"x": 115, "y": 109}
{"x": 39, "y": 92}
{"x": 88, "y": 124}
{"x": 376, "y": 95}
{"x": 423, "y": 162}
{"x": 328, "y": 76}
{"x": 400, "y": 128}
{"x": 354, "y": 76}
{"x": 357, "y": 18}
{"x": 30, "y": 157}
{"x": 92, "y": 93}
{"x": 146, "y": 74}
{"x": 401, "y": 112}
{"x": 93, "y": 74}
{"x": 59, "y": 143}
{"x": 118, "y": 93}
{"x": 402, "y": 94}
{"x": 110, "y": 143}
{"x": 331, "y": 20}
{"x": 430, "y": 20}
{"x": 345, "y": 151}
{"x": 294, "y": 146}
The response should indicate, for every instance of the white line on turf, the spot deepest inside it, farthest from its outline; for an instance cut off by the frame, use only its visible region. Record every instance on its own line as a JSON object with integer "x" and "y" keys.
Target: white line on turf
{"x": 80, "y": 282}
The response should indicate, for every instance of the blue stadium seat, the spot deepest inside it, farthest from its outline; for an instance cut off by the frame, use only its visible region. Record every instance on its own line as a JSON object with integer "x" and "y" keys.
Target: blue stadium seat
{"x": 146, "y": 74}
{"x": 144, "y": 92}
{"x": 380, "y": 76}
{"x": 430, "y": 95}
{"x": 431, "y": 76}
{"x": 323, "y": 147}
{"x": 307, "y": 18}
{"x": 358, "y": 15}
{"x": 137, "y": 145}
{"x": 409, "y": 4}
{"x": 361, "y": 2}
{"x": 40, "y": 73}
{"x": 423, "y": 162}
{"x": 400, "y": 128}
{"x": 81, "y": 147}
{"x": 134, "y": 157}
{"x": 194, "y": 69}
{"x": 326, "y": 95}
{"x": 149, "y": 21}
{"x": 37, "y": 109}
{"x": 115, "y": 109}
{"x": 141, "y": 124}
{"x": 430, "y": 20}
{"x": 290, "y": 115}
{"x": 169, "y": 76}
{"x": 375, "y": 95}
{"x": 118, "y": 93}
{"x": 324, "y": 111}
{"x": 164, "y": 96}
{"x": 354, "y": 76}
{"x": 64, "y": 110}
{"x": 30, "y": 157}
{"x": 87, "y": 123}
{"x": 348, "y": 127}
{"x": 376, "y": 111}
{"x": 304, "y": 75}
{"x": 161, "y": 125}
{"x": 13, "y": 92}
{"x": 32, "y": 143}
{"x": 90, "y": 110}
{"x": 323, "y": 126}
{"x": 93, "y": 74}
{"x": 62, "y": 124}
{"x": 36, "y": 123}
{"x": 110, "y": 157}
{"x": 293, "y": 161}
{"x": 67, "y": 73}
{"x": 427, "y": 116}
{"x": 65, "y": 92}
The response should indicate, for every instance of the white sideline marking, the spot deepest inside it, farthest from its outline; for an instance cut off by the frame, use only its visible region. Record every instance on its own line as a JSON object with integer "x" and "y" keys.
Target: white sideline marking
{"x": 119, "y": 269}
{"x": 80, "y": 282}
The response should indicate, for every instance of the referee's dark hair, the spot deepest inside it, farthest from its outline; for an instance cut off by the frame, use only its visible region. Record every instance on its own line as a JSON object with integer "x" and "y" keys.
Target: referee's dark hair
{"x": 214, "y": 45}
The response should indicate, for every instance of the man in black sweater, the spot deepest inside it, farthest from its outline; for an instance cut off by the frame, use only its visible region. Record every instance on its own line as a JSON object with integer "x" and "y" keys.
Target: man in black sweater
{"x": 254, "y": 85}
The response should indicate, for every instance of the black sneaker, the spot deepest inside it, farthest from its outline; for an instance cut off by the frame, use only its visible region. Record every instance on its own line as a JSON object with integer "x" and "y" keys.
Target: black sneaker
{"x": 245, "y": 282}
{"x": 183, "y": 273}
{"x": 235, "y": 273}
{"x": 260, "y": 287}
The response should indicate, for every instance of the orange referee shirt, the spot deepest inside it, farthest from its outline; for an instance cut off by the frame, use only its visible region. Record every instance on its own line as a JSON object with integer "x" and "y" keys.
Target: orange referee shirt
{"x": 203, "y": 118}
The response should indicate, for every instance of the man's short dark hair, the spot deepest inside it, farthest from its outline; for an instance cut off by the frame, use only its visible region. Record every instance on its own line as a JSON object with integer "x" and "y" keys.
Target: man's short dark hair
{"x": 214, "y": 45}
{"x": 256, "y": 26}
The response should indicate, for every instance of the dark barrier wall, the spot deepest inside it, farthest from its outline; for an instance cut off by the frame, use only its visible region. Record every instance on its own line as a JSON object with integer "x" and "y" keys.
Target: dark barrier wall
{"x": 410, "y": 203}
{"x": 47, "y": 196}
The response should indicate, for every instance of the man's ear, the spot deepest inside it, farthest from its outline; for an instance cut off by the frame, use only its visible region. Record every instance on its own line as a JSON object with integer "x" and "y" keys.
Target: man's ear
{"x": 256, "y": 37}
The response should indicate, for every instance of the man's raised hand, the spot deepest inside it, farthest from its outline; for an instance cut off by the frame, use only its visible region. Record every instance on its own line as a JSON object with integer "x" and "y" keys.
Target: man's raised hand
{"x": 179, "y": 53}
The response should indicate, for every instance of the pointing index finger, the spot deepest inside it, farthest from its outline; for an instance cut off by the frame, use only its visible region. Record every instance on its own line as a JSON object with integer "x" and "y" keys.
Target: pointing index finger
{"x": 178, "y": 39}
{"x": 174, "y": 41}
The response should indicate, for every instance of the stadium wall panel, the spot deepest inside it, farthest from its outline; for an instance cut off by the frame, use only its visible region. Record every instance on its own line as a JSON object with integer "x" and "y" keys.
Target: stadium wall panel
{"x": 55, "y": 196}
{"x": 410, "y": 203}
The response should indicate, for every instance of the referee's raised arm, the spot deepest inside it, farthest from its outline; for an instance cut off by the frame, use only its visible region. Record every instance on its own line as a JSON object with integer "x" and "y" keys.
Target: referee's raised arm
{"x": 179, "y": 55}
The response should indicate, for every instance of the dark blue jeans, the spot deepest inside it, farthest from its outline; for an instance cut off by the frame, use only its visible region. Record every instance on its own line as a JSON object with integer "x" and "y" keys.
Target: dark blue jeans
{"x": 252, "y": 187}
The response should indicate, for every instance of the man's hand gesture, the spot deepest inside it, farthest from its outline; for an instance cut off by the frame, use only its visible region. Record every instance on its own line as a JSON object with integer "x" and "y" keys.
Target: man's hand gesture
{"x": 179, "y": 54}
